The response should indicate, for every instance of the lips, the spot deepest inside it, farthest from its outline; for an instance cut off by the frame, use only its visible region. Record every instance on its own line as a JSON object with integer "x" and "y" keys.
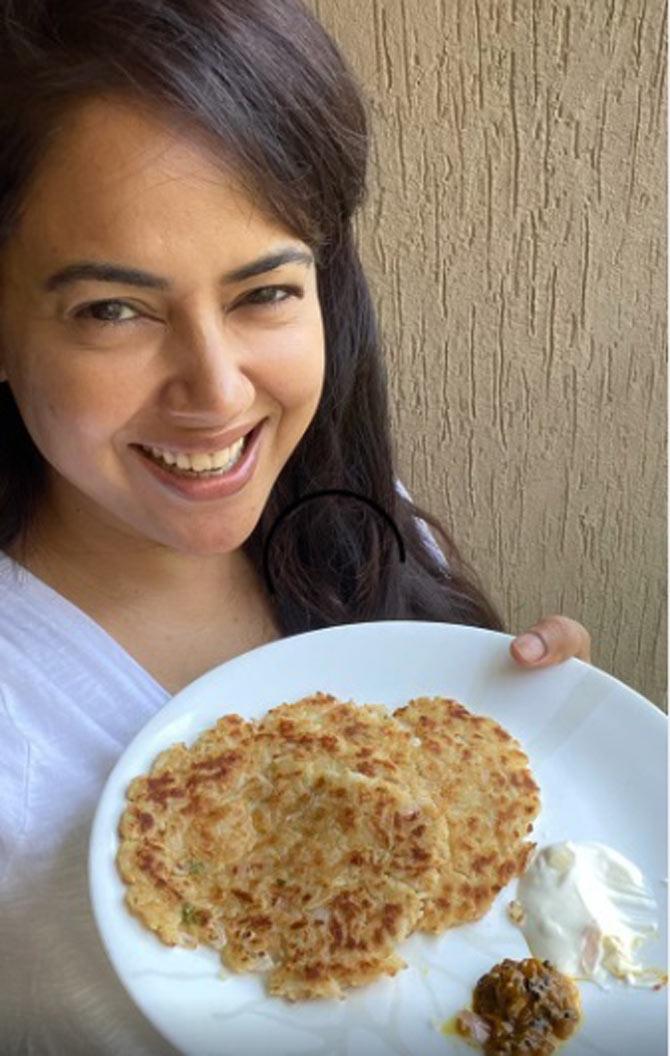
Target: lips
{"x": 206, "y": 486}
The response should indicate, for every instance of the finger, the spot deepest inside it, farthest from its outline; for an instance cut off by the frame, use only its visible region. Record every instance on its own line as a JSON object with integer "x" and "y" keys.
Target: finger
{"x": 551, "y": 640}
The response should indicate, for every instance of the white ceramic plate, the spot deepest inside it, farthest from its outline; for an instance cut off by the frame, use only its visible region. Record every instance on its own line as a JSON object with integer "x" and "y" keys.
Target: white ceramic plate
{"x": 597, "y": 749}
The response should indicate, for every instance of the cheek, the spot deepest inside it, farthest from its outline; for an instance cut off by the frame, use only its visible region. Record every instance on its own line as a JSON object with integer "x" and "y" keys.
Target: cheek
{"x": 70, "y": 411}
{"x": 293, "y": 370}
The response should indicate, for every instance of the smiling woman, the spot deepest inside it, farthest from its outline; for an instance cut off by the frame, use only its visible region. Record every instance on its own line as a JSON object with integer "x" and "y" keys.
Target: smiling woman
{"x": 187, "y": 347}
{"x": 155, "y": 318}
{"x": 210, "y": 257}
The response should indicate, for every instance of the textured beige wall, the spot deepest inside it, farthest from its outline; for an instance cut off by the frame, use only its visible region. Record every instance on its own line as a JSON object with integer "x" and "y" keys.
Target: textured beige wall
{"x": 515, "y": 242}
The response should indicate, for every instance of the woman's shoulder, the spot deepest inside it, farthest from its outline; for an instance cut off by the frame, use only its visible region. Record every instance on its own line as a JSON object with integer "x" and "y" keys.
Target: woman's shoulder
{"x": 31, "y": 616}
{"x": 20, "y": 612}
{"x": 17, "y": 592}
{"x": 61, "y": 674}
{"x": 12, "y": 574}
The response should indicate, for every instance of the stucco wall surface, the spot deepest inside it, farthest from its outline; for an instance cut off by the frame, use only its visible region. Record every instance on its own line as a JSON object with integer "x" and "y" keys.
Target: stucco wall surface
{"x": 514, "y": 237}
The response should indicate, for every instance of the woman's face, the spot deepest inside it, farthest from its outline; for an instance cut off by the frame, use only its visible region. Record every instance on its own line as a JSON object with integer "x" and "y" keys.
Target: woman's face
{"x": 136, "y": 386}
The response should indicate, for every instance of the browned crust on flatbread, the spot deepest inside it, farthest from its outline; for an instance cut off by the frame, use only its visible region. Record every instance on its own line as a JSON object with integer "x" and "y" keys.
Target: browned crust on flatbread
{"x": 167, "y": 855}
{"x": 479, "y": 776}
{"x": 310, "y": 843}
{"x": 315, "y": 853}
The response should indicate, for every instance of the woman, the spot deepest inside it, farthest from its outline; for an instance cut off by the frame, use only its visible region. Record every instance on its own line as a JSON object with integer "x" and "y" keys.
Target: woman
{"x": 187, "y": 346}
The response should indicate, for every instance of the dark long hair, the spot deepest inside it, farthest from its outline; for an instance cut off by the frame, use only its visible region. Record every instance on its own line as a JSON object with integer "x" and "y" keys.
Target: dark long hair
{"x": 265, "y": 87}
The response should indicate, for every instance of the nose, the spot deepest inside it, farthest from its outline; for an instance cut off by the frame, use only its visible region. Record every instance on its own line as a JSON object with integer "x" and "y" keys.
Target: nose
{"x": 207, "y": 383}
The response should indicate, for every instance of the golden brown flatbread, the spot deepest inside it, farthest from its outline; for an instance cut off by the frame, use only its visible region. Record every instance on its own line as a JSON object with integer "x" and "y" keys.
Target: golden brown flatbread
{"x": 479, "y": 776}
{"x": 289, "y": 845}
{"x": 310, "y": 843}
{"x": 186, "y": 821}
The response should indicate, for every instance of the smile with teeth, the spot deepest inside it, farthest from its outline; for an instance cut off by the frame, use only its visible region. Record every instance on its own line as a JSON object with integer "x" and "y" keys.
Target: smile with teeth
{"x": 212, "y": 464}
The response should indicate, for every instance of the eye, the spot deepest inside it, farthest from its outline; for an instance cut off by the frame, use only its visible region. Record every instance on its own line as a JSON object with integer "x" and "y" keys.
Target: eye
{"x": 106, "y": 313}
{"x": 272, "y": 296}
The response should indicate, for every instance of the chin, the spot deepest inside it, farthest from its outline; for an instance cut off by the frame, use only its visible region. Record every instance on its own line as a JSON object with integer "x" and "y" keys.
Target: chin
{"x": 206, "y": 544}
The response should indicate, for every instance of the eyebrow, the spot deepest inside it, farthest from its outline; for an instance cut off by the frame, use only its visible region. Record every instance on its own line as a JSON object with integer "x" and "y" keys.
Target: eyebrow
{"x": 102, "y": 271}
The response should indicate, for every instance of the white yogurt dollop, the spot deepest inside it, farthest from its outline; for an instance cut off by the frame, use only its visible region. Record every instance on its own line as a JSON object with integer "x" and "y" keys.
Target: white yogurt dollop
{"x": 587, "y": 909}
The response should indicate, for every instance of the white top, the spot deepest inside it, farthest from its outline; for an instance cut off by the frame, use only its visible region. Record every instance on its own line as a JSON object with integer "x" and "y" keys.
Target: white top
{"x": 71, "y": 700}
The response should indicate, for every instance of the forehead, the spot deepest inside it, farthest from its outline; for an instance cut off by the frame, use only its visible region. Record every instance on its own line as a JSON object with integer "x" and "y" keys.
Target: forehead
{"x": 116, "y": 176}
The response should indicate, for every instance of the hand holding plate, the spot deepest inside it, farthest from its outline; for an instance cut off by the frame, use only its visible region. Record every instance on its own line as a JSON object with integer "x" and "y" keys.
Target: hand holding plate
{"x": 551, "y": 640}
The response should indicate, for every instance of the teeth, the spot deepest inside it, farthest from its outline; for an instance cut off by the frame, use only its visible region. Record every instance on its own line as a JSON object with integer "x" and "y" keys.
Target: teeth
{"x": 201, "y": 462}
{"x": 221, "y": 458}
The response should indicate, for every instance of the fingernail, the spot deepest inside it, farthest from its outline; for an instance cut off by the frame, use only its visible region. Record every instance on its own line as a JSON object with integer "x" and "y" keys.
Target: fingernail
{"x": 531, "y": 646}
